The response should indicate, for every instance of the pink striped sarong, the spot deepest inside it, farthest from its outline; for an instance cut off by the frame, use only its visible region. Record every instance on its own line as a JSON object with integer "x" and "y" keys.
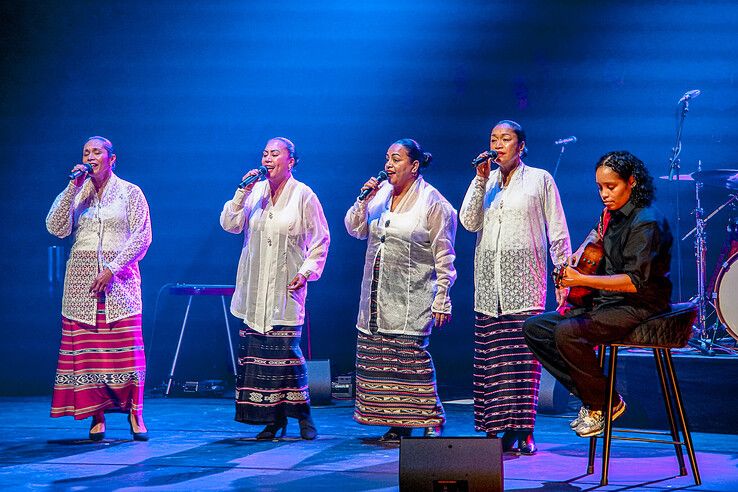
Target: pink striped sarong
{"x": 101, "y": 368}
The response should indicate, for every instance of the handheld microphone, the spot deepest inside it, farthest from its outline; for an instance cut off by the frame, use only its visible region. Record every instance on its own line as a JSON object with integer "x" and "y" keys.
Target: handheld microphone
{"x": 78, "y": 172}
{"x": 365, "y": 192}
{"x": 566, "y": 141}
{"x": 689, "y": 95}
{"x": 254, "y": 177}
{"x": 487, "y": 154}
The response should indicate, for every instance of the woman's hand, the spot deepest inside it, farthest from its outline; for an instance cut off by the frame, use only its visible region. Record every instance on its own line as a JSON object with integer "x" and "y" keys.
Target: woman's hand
{"x": 484, "y": 167}
{"x": 297, "y": 283}
{"x": 441, "y": 319}
{"x": 372, "y": 184}
{"x": 80, "y": 180}
{"x": 253, "y": 172}
{"x": 101, "y": 282}
{"x": 562, "y": 294}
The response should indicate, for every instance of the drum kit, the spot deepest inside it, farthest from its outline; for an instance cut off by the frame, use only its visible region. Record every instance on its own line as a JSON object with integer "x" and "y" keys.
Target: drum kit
{"x": 721, "y": 293}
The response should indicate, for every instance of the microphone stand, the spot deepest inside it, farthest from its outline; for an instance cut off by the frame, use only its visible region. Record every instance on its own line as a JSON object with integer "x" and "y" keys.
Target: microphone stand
{"x": 674, "y": 171}
{"x": 558, "y": 160}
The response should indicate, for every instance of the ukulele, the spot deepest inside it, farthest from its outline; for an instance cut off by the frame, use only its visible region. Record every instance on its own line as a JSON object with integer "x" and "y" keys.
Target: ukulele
{"x": 587, "y": 264}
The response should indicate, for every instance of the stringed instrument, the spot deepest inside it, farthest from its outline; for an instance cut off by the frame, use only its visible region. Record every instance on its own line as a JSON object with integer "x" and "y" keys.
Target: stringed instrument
{"x": 587, "y": 264}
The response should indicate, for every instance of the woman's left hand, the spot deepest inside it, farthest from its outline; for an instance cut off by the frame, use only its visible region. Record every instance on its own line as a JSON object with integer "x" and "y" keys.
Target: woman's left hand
{"x": 561, "y": 294}
{"x": 101, "y": 282}
{"x": 441, "y": 319}
{"x": 297, "y": 283}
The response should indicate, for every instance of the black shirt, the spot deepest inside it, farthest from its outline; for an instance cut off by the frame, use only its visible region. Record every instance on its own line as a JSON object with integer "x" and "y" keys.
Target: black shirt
{"x": 637, "y": 242}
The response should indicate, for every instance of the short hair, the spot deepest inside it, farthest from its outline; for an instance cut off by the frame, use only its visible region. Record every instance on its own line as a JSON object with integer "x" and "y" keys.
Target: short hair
{"x": 415, "y": 151}
{"x": 290, "y": 147}
{"x": 626, "y": 165}
{"x": 519, "y": 132}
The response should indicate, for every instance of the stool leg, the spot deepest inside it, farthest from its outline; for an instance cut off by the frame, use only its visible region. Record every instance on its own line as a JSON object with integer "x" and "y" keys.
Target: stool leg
{"x": 593, "y": 440}
{"x": 682, "y": 417}
{"x": 657, "y": 353}
{"x": 179, "y": 344}
{"x": 228, "y": 335}
{"x": 607, "y": 411}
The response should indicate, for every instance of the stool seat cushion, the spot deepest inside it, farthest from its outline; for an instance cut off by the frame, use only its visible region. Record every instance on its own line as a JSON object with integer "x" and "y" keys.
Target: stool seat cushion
{"x": 671, "y": 329}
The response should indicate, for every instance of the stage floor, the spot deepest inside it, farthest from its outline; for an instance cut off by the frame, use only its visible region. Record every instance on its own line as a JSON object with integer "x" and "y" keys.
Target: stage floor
{"x": 195, "y": 445}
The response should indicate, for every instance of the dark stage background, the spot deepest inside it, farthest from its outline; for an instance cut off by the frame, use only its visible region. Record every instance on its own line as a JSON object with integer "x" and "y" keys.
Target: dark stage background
{"x": 189, "y": 92}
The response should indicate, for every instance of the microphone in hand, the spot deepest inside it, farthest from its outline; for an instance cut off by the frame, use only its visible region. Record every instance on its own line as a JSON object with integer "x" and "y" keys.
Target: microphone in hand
{"x": 261, "y": 172}
{"x": 79, "y": 172}
{"x": 366, "y": 191}
{"x": 488, "y": 154}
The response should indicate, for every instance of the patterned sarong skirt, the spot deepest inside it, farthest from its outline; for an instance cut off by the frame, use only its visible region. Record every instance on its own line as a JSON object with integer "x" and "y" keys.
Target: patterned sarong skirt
{"x": 396, "y": 382}
{"x": 101, "y": 368}
{"x": 272, "y": 381}
{"x": 506, "y": 375}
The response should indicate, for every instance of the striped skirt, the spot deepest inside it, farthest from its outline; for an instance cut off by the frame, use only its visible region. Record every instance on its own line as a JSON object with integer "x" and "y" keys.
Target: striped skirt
{"x": 396, "y": 382}
{"x": 506, "y": 375}
{"x": 272, "y": 381}
{"x": 101, "y": 368}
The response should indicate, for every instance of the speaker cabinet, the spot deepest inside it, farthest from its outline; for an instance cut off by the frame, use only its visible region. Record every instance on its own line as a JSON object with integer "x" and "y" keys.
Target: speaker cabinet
{"x": 450, "y": 464}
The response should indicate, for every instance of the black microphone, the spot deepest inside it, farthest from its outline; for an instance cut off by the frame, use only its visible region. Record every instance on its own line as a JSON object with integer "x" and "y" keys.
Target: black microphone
{"x": 689, "y": 95}
{"x": 254, "y": 177}
{"x": 565, "y": 141}
{"x": 365, "y": 192}
{"x": 79, "y": 172}
{"x": 487, "y": 154}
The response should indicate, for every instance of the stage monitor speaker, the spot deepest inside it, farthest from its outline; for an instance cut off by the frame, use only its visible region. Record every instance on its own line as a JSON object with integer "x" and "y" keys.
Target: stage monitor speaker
{"x": 319, "y": 381}
{"x": 450, "y": 464}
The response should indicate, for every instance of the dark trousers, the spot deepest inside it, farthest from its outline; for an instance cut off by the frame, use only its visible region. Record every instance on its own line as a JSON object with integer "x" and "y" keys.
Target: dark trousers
{"x": 565, "y": 346}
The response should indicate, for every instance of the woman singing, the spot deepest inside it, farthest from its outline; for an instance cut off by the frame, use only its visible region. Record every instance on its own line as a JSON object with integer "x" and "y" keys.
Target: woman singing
{"x": 285, "y": 245}
{"x": 101, "y": 367}
{"x": 515, "y": 211}
{"x": 408, "y": 272}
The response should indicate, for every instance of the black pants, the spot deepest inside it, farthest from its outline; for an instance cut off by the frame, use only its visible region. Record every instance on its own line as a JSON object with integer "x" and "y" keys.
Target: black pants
{"x": 565, "y": 346}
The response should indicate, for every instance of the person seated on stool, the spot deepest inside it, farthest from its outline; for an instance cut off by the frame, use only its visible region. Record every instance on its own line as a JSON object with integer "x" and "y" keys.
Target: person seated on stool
{"x": 631, "y": 284}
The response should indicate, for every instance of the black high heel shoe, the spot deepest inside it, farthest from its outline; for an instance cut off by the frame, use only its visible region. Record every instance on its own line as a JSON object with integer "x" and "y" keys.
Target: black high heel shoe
{"x": 307, "y": 429}
{"x": 137, "y": 436}
{"x": 527, "y": 444}
{"x": 96, "y": 436}
{"x": 394, "y": 434}
{"x": 270, "y": 431}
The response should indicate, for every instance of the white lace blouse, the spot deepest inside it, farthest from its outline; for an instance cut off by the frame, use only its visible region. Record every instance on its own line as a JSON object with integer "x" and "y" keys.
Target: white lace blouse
{"x": 280, "y": 240}
{"x": 513, "y": 225}
{"x": 416, "y": 270}
{"x": 113, "y": 231}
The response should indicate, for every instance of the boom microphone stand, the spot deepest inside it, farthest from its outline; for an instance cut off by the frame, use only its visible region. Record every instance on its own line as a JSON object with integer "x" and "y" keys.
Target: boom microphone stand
{"x": 674, "y": 176}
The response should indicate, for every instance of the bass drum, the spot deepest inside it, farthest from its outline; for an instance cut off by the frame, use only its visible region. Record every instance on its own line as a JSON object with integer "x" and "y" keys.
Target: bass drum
{"x": 726, "y": 295}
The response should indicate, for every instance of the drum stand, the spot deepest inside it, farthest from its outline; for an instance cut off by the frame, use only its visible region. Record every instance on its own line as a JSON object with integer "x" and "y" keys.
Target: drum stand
{"x": 706, "y": 337}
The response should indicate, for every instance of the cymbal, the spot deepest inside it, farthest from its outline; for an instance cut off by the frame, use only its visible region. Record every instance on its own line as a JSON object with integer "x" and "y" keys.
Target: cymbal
{"x": 724, "y": 178}
{"x": 678, "y": 177}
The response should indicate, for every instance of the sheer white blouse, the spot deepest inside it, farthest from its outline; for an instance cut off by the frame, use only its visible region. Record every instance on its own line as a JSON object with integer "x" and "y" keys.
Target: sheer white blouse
{"x": 281, "y": 240}
{"x": 513, "y": 225}
{"x": 416, "y": 269}
{"x": 113, "y": 231}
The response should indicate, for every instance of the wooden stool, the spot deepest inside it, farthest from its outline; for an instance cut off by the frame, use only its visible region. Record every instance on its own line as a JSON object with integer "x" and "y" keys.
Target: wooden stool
{"x": 659, "y": 333}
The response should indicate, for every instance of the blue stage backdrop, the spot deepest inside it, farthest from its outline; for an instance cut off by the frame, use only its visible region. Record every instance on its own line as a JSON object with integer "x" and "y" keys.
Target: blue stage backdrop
{"x": 189, "y": 92}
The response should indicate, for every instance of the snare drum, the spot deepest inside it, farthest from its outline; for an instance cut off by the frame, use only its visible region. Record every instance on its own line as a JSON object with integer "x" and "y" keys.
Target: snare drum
{"x": 726, "y": 295}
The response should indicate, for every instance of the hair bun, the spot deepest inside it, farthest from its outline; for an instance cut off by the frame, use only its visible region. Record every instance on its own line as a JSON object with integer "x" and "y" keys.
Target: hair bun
{"x": 427, "y": 158}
